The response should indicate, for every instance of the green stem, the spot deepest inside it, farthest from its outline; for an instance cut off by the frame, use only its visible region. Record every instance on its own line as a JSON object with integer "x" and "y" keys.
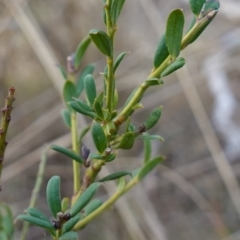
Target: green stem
{"x": 75, "y": 148}
{"x": 36, "y": 190}
{"x": 6, "y": 118}
{"x": 110, "y": 85}
{"x": 156, "y": 73}
{"x": 106, "y": 204}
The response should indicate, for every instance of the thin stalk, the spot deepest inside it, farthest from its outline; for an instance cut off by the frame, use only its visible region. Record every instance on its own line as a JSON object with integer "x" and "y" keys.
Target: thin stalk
{"x": 35, "y": 190}
{"x": 106, "y": 204}
{"x": 110, "y": 78}
{"x": 75, "y": 148}
{"x": 6, "y": 118}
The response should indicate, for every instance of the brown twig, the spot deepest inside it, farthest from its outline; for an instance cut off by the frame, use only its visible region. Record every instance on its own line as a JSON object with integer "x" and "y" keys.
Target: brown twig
{"x": 6, "y": 118}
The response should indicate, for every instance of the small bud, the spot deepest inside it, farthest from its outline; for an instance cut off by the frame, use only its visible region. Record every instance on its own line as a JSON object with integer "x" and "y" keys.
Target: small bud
{"x": 67, "y": 216}
{"x": 108, "y": 151}
{"x": 85, "y": 152}
{"x": 70, "y": 64}
{"x": 56, "y": 224}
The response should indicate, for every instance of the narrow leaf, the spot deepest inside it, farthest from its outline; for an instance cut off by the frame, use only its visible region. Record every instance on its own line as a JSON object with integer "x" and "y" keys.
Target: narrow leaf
{"x": 53, "y": 195}
{"x": 178, "y": 63}
{"x": 161, "y": 52}
{"x": 153, "y": 81}
{"x": 153, "y": 118}
{"x": 74, "y": 105}
{"x": 80, "y": 81}
{"x": 102, "y": 41}
{"x": 116, "y": 9}
{"x": 90, "y": 88}
{"x": 84, "y": 199}
{"x": 119, "y": 60}
{"x": 100, "y": 98}
{"x": 81, "y": 49}
{"x": 69, "y": 236}
{"x": 68, "y": 226}
{"x": 99, "y": 137}
{"x": 196, "y": 6}
{"x": 37, "y": 213}
{"x": 83, "y": 105}
{"x": 63, "y": 71}
{"x": 36, "y": 221}
{"x": 150, "y": 137}
{"x": 111, "y": 157}
{"x": 147, "y": 149}
{"x": 115, "y": 175}
{"x": 92, "y": 206}
{"x": 65, "y": 204}
{"x": 83, "y": 133}
{"x": 67, "y": 152}
{"x": 69, "y": 91}
{"x": 98, "y": 109}
{"x": 127, "y": 141}
{"x": 174, "y": 31}
{"x": 148, "y": 167}
{"x": 66, "y": 116}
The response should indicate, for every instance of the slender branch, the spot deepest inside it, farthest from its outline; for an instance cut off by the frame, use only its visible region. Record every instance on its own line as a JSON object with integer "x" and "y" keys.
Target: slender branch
{"x": 106, "y": 204}
{"x": 6, "y": 118}
{"x": 110, "y": 84}
{"x": 36, "y": 190}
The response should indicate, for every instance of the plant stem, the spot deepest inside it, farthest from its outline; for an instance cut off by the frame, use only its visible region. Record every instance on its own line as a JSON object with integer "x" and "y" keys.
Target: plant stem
{"x": 36, "y": 190}
{"x": 75, "y": 148}
{"x": 6, "y": 118}
{"x": 110, "y": 84}
{"x": 106, "y": 204}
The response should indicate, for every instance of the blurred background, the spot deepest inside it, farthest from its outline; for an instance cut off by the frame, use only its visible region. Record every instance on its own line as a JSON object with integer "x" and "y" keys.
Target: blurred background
{"x": 195, "y": 194}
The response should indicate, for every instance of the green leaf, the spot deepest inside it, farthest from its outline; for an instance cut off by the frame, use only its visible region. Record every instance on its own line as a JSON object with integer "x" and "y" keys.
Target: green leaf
{"x": 83, "y": 105}
{"x": 100, "y": 98}
{"x": 198, "y": 28}
{"x": 80, "y": 81}
{"x": 110, "y": 128}
{"x": 81, "y": 49}
{"x": 66, "y": 116}
{"x": 92, "y": 206}
{"x": 96, "y": 156}
{"x": 211, "y": 5}
{"x": 196, "y": 6}
{"x": 98, "y": 109}
{"x": 118, "y": 60}
{"x": 90, "y": 88}
{"x": 153, "y": 81}
{"x": 150, "y": 137}
{"x": 147, "y": 149}
{"x": 6, "y": 219}
{"x": 84, "y": 199}
{"x": 115, "y": 99}
{"x": 178, "y": 63}
{"x": 83, "y": 133}
{"x": 69, "y": 236}
{"x": 153, "y": 118}
{"x": 104, "y": 12}
{"x": 67, "y": 152}
{"x": 3, "y": 235}
{"x": 161, "y": 52}
{"x": 174, "y": 31}
{"x": 110, "y": 157}
{"x": 116, "y": 9}
{"x": 36, "y": 221}
{"x": 37, "y": 214}
{"x": 127, "y": 141}
{"x": 74, "y": 105}
{"x": 63, "y": 71}
{"x": 102, "y": 42}
{"x": 148, "y": 167}
{"x": 53, "y": 195}
{"x": 71, "y": 223}
{"x": 65, "y": 204}
{"x": 99, "y": 137}
{"x": 115, "y": 175}
{"x": 69, "y": 92}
